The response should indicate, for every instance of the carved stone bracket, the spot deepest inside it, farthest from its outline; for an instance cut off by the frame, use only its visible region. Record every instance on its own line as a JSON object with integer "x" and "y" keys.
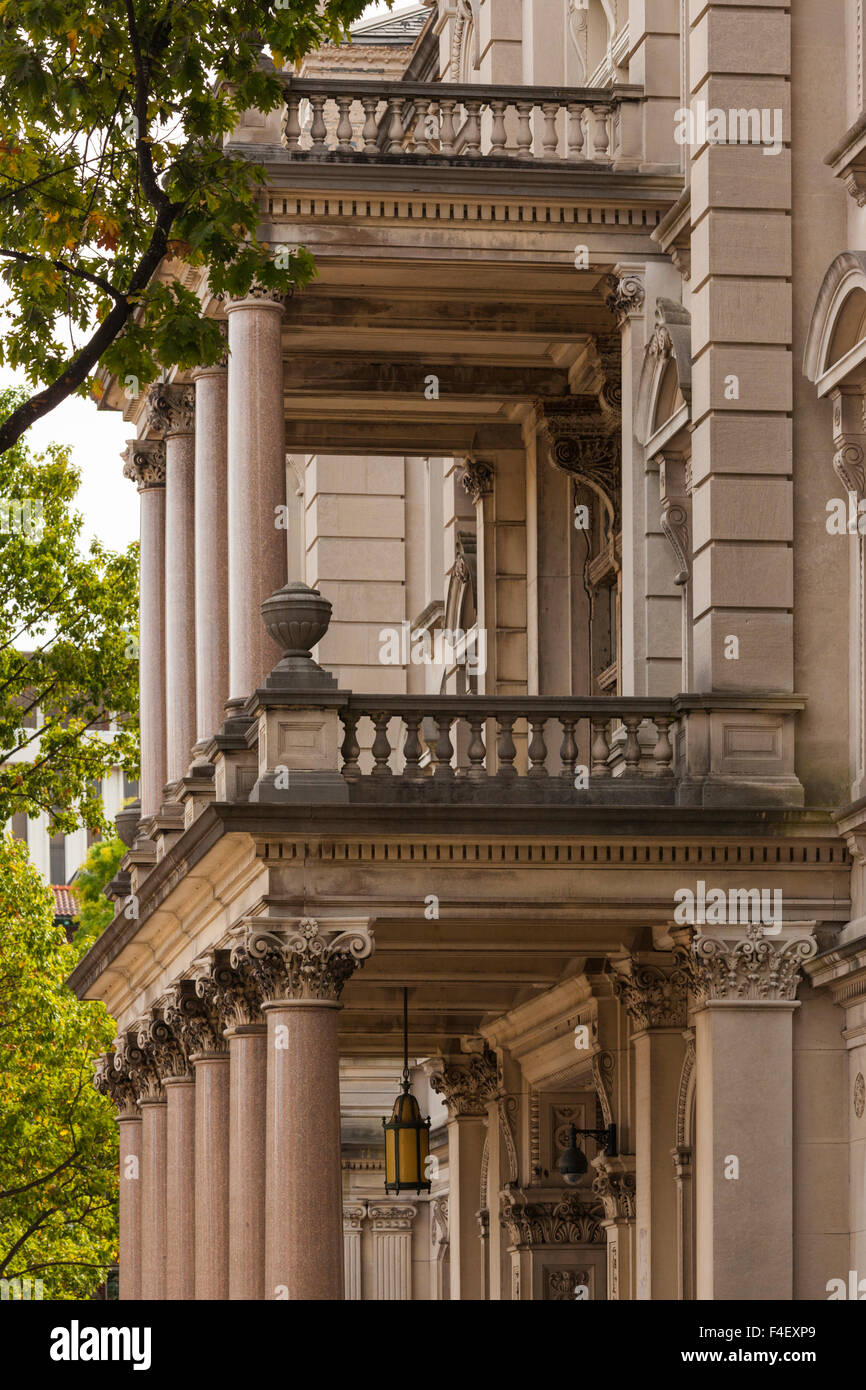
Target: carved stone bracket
{"x": 849, "y": 439}
{"x": 307, "y": 961}
{"x": 654, "y": 998}
{"x": 194, "y": 1020}
{"x": 144, "y": 463}
{"x": 584, "y": 442}
{"x": 674, "y": 492}
{"x": 171, "y": 409}
{"x": 747, "y": 966}
{"x": 467, "y": 1087}
{"x": 567, "y": 1220}
{"x": 477, "y": 478}
{"x": 616, "y": 1185}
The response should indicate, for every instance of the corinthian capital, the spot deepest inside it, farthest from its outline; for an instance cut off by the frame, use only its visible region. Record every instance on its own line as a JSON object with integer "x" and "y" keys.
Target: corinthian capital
{"x": 654, "y": 997}
{"x": 171, "y": 409}
{"x": 163, "y": 1047}
{"x": 466, "y": 1087}
{"x": 746, "y": 964}
{"x": 232, "y": 990}
{"x": 306, "y": 960}
{"x": 134, "y": 1066}
{"x": 117, "y": 1084}
{"x": 144, "y": 463}
{"x": 616, "y": 1185}
{"x": 477, "y": 478}
{"x": 193, "y": 1020}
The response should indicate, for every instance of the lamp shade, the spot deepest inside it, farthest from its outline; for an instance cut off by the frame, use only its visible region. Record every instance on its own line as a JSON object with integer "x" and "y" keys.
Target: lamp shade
{"x": 407, "y": 1143}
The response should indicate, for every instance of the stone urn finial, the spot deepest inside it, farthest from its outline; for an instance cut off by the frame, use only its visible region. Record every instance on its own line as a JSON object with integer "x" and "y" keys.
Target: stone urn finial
{"x": 126, "y": 822}
{"x": 297, "y": 617}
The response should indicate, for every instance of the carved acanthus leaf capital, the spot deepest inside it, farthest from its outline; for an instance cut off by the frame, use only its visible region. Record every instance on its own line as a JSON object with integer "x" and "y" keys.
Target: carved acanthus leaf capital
{"x": 307, "y": 960}
{"x": 117, "y": 1083}
{"x": 144, "y": 463}
{"x": 567, "y": 1220}
{"x": 477, "y": 478}
{"x": 746, "y": 964}
{"x": 654, "y": 998}
{"x": 171, "y": 409}
{"x": 231, "y": 989}
{"x": 467, "y": 1087}
{"x": 616, "y": 1185}
{"x": 164, "y": 1048}
{"x": 135, "y": 1066}
{"x": 194, "y": 1020}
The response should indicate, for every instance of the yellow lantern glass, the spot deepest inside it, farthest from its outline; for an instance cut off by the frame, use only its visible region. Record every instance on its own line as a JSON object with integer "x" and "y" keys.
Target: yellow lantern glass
{"x": 407, "y": 1144}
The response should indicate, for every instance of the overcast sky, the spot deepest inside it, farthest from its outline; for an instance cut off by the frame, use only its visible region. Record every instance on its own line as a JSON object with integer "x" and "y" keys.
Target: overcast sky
{"x": 107, "y": 501}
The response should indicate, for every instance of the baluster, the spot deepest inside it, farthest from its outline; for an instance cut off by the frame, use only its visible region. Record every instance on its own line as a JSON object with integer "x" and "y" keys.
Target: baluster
{"x": 632, "y": 746}
{"x": 395, "y": 127}
{"x": 505, "y": 748}
{"x": 444, "y": 750}
{"x": 497, "y": 134}
{"x": 446, "y": 127}
{"x": 412, "y": 749}
{"x": 318, "y": 129}
{"x": 575, "y": 130}
{"x": 422, "y": 139}
{"x": 344, "y": 126}
{"x": 568, "y": 748}
{"x": 600, "y": 138}
{"x": 537, "y": 747}
{"x": 371, "y": 129}
{"x": 292, "y": 123}
{"x": 663, "y": 752}
{"x": 476, "y": 750}
{"x": 524, "y": 129}
{"x": 600, "y": 748}
{"x": 351, "y": 748}
{"x": 472, "y": 129}
{"x": 381, "y": 746}
{"x": 549, "y": 138}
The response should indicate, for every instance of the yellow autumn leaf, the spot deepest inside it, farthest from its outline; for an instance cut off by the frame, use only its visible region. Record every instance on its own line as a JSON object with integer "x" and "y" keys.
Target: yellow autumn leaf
{"x": 72, "y": 40}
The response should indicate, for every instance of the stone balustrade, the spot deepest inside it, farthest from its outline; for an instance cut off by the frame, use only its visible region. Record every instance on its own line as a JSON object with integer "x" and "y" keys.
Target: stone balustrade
{"x": 370, "y": 120}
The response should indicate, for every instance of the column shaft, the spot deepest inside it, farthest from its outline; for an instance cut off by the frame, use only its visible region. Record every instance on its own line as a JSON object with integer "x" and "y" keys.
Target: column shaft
{"x": 256, "y": 485}
{"x": 211, "y": 551}
{"x": 658, "y": 1066}
{"x": 129, "y": 1217}
{"x": 211, "y": 1176}
{"x": 180, "y": 1186}
{"x": 180, "y": 695}
{"x": 247, "y": 1093}
{"x": 151, "y": 649}
{"x": 304, "y": 1235}
{"x": 154, "y": 1231}
{"x": 465, "y": 1148}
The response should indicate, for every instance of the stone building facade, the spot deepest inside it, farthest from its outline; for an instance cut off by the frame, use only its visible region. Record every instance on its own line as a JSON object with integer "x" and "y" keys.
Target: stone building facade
{"x": 581, "y": 384}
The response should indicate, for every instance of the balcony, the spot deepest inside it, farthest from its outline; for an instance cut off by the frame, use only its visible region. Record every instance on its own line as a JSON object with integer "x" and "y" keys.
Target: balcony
{"x": 451, "y": 124}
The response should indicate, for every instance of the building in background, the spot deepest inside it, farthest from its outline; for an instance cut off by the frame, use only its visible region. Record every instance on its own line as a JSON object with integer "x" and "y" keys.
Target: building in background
{"x": 583, "y": 374}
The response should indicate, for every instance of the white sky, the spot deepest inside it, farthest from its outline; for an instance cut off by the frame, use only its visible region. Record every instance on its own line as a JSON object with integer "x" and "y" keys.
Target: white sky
{"x": 107, "y": 501}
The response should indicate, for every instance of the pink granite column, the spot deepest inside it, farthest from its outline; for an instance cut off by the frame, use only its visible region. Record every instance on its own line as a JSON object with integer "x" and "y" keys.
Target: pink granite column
{"x": 154, "y": 1233}
{"x": 256, "y": 483}
{"x": 180, "y": 1186}
{"x": 247, "y": 1092}
{"x": 211, "y": 552}
{"x": 145, "y": 465}
{"x": 211, "y": 1175}
{"x": 303, "y": 1178}
{"x": 301, "y": 968}
{"x": 172, "y": 413}
{"x": 129, "y": 1213}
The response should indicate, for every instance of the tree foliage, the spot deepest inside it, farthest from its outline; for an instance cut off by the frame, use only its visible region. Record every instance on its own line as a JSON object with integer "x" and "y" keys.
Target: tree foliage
{"x": 95, "y": 911}
{"x": 112, "y": 158}
{"x": 67, "y": 645}
{"x": 58, "y": 1138}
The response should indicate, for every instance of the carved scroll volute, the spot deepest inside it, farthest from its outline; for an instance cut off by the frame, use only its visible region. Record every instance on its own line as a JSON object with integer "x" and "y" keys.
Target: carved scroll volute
{"x": 584, "y": 441}
{"x": 676, "y": 515}
{"x": 849, "y": 439}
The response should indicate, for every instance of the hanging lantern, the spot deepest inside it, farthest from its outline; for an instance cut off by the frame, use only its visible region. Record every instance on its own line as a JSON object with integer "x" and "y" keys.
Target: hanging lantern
{"x": 407, "y": 1135}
